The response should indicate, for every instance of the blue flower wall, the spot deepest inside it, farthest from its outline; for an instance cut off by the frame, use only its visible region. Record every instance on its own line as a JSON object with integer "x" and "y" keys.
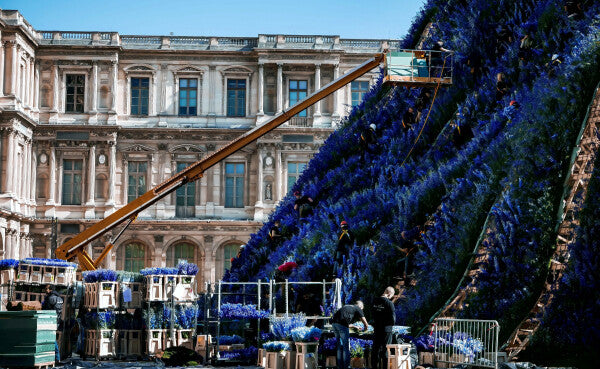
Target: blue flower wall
{"x": 481, "y": 154}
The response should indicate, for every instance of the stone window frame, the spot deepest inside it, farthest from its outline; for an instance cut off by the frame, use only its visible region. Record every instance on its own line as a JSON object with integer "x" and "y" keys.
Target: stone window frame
{"x": 71, "y": 153}
{"x": 235, "y": 160}
{"x": 85, "y": 70}
{"x": 301, "y": 76}
{"x": 141, "y": 71}
{"x": 189, "y": 71}
{"x": 237, "y": 72}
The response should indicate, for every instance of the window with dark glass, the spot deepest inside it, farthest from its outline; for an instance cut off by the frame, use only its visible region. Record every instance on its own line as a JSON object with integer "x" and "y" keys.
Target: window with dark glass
{"x": 188, "y": 96}
{"x": 358, "y": 89}
{"x": 234, "y": 185}
{"x": 298, "y": 92}
{"x": 236, "y": 97}
{"x": 137, "y": 179}
{"x": 185, "y": 197}
{"x": 294, "y": 171}
{"x": 140, "y": 88}
{"x": 75, "y": 96}
{"x": 229, "y": 252}
{"x": 71, "y": 188}
{"x": 135, "y": 257}
{"x": 180, "y": 252}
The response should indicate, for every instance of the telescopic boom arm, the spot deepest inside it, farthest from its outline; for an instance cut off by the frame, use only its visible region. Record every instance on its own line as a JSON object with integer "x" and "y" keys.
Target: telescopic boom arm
{"x": 74, "y": 248}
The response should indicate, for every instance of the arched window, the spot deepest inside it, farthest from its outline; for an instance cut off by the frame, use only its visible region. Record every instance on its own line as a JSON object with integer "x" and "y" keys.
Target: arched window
{"x": 134, "y": 258}
{"x": 181, "y": 251}
{"x": 229, "y": 251}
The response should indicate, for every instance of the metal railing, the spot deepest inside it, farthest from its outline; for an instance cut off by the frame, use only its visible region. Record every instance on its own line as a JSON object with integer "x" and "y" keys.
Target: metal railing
{"x": 466, "y": 341}
{"x": 300, "y": 122}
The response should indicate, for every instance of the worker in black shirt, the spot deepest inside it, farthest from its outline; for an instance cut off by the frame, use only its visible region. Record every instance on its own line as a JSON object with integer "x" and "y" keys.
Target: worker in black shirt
{"x": 384, "y": 317}
{"x": 275, "y": 232}
{"x": 341, "y": 321}
{"x": 345, "y": 242}
{"x": 303, "y": 205}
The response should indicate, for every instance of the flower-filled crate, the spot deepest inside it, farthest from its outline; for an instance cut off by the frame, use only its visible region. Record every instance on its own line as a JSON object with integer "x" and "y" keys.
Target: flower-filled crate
{"x": 100, "y": 343}
{"x": 34, "y": 296}
{"x": 65, "y": 276}
{"x": 275, "y": 360}
{"x": 7, "y": 270}
{"x": 330, "y": 361}
{"x": 36, "y": 274}
{"x": 48, "y": 274}
{"x": 23, "y": 274}
{"x": 180, "y": 287}
{"x": 185, "y": 339}
{"x": 155, "y": 287}
{"x": 130, "y": 342}
{"x": 131, "y": 294}
{"x": 169, "y": 339}
{"x": 398, "y": 356}
{"x": 102, "y": 295}
{"x": 154, "y": 341}
{"x": 262, "y": 358}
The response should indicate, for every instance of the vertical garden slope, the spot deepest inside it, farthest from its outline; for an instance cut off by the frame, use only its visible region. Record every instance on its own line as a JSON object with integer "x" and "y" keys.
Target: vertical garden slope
{"x": 476, "y": 151}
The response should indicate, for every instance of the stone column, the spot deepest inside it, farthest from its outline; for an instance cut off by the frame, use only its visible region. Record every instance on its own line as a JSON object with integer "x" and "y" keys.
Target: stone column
{"x": 216, "y": 185}
{"x": 94, "y": 86}
{"x": 91, "y": 187}
{"x": 336, "y": 75}
{"x": 279, "y": 88}
{"x": 30, "y": 78}
{"x": 16, "y": 174}
{"x": 26, "y": 170}
{"x": 33, "y": 174}
{"x": 14, "y": 71}
{"x": 279, "y": 174}
{"x": 1, "y": 66}
{"x": 36, "y": 86}
{"x": 261, "y": 185}
{"x": 153, "y": 100}
{"x": 115, "y": 81}
{"x": 52, "y": 184}
{"x": 261, "y": 88}
{"x": 112, "y": 173}
{"x": 10, "y": 165}
{"x": 212, "y": 84}
{"x": 317, "y": 87}
{"x": 55, "y": 87}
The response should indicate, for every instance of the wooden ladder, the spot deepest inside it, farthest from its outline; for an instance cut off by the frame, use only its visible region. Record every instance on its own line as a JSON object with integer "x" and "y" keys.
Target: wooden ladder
{"x": 576, "y": 190}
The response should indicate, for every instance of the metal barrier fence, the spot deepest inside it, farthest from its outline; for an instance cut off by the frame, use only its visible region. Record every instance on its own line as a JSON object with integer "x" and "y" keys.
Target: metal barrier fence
{"x": 466, "y": 341}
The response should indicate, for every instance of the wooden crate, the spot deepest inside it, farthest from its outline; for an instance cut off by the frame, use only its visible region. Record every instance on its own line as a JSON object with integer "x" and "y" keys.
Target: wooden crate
{"x": 7, "y": 275}
{"x": 100, "y": 343}
{"x": 184, "y": 338}
{"x": 48, "y": 274}
{"x": 275, "y": 360}
{"x": 302, "y": 350}
{"x": 36, "y": 274}
{"x": 398, "y": 356}
{"x": 154, "y": 341}
{"x": 65, "y": 276}
{"x": 23, "y": 273}
{"x": 136, "y": 294}
{"x": 154, "y": 287}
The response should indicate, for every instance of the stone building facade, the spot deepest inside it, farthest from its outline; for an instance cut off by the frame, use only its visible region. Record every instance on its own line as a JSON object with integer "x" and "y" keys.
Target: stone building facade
{"x": 91, "y": 120}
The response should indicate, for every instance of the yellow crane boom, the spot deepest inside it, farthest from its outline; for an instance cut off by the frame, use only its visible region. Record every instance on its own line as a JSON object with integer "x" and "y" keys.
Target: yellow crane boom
{"x": 74, "y": 248}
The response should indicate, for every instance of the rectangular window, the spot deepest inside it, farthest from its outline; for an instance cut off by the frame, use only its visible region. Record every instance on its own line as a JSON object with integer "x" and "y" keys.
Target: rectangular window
{"x": 234, "y": 185}
{"x": 188, "y": 96}
{"x": 71, "y": 188}
{"x": 294, "y": 171}
{"x": 140, "y": 88}
{"x": 236, "y": 97}
{"x": 185, "y": 197}
{"x": 75, "y": 96}
{"x": 137, "y": 179}
{"x": 359, "y": 89}
{"x": 298, "y": 92}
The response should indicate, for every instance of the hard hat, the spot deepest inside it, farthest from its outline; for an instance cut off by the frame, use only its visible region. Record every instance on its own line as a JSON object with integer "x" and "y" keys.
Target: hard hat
{"x": 373, "y": 126}
{"x": 344, "y": 223}
{"x": 296, "y": 193}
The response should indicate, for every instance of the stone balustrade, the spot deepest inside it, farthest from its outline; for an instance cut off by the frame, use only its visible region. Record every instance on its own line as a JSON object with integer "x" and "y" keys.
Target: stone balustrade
{"x": 322, "y": 42}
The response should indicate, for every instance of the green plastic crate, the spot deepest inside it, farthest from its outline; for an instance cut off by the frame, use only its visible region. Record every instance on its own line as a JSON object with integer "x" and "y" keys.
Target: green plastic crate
{"x": 26, "y": 328}
{"x": 33, "y": 349}
{"x": 14, "y": 360}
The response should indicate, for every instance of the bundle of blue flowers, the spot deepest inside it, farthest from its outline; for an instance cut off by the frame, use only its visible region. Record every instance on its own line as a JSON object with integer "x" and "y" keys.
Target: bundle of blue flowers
{"x": 247, "y": 354}
{"x": 100, "y": 275}
{"x": 306, "y": 334}
{"x": 276, "y": 346}
{"x": 9, "y": 264}
{"x": 49, "y": 262}
{"x": 240, "y": 311}
{"x": 282, "y": 327}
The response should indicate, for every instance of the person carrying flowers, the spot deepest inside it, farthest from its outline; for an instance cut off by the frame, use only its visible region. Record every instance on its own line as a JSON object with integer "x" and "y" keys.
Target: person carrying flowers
{"x": 303, "y": 205}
